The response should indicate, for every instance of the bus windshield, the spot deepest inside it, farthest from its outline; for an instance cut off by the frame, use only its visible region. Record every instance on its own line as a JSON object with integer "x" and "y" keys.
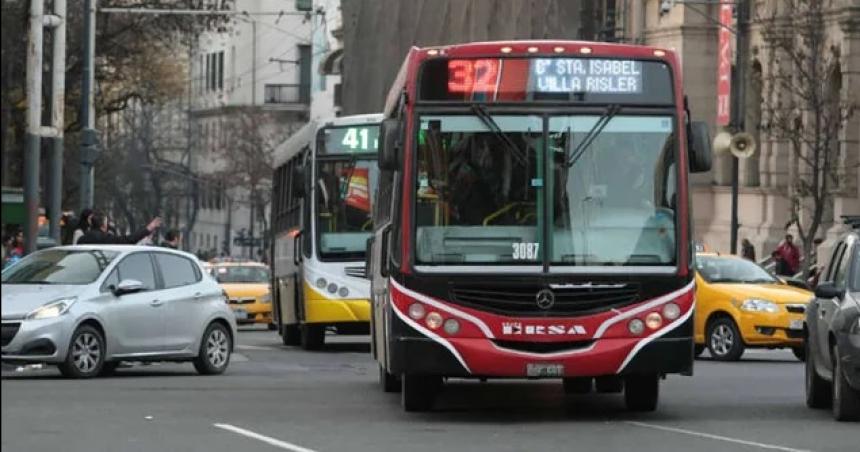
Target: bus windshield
{"x": 507, "y": 189}
{"x": 344, "y": 201}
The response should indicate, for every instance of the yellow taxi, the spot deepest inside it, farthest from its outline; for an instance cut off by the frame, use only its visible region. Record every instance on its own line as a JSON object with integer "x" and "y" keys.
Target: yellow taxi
{"x": 248, "y": 288}
{"x": 740, "y": 305}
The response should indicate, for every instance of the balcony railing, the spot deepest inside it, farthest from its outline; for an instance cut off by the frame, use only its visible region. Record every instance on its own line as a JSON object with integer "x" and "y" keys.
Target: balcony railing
{"x": 287, "y": 94}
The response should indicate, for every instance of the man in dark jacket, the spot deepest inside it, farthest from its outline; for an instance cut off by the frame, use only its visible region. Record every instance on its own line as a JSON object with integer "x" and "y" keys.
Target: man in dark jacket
{"x": 99, "y": 235}
{"x": 172, "y": 239}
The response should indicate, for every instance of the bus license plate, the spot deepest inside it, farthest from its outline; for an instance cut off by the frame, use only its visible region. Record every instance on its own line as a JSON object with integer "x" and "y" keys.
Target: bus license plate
{"x": 796, "y": 325}
{"x": 544, "y": 370}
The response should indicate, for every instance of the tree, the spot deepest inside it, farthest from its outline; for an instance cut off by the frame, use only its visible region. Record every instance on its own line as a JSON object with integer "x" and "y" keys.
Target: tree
{"x": 807, "y": 108}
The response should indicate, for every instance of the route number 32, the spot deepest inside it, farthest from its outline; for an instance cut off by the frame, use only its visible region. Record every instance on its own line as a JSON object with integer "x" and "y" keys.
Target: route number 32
{"x": 525, "y": 251}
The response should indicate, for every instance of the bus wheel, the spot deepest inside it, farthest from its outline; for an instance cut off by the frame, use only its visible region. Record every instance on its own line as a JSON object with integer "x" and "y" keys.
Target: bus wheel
{"x": 290, "y": 335}
{"x": 641, "y": 392}
{"x": 418, "y": 392}
{"x": 313, "y": 336}
{"x": 389, "y": 382}
{"x": 698, "y": 350}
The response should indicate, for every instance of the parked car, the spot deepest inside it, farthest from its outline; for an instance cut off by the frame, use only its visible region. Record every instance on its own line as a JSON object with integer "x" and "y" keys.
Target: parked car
{"x": 86, "y": 308}
{"x": 740, "y": 305}
{"x": 833, "y": 334}
{"x": 248, "y": 288}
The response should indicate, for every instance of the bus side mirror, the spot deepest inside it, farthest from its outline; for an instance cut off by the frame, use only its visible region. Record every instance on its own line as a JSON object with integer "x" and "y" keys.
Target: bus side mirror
{"x": 700, "y": 147}
{"x": 389, "y": 148}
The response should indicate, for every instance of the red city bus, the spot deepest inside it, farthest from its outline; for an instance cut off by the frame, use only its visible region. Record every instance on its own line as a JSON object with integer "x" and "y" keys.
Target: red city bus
{"x": 532, "y": 219}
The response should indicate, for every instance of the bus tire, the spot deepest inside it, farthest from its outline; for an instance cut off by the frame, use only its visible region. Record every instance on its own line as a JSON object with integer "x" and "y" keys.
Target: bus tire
{"x": 641, "y": 392}
{"x": 418, "y": 392}
{"x": 388, "y": 382}
{"x": 290, "y": 335}
{"x": 611, "y": 384}
{"x": 313, "y": 336}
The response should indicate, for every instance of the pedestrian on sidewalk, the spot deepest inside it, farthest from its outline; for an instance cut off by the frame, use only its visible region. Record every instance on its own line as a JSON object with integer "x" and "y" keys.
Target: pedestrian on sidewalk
{"x": 172, "y": 239}
{"x": 99, "y": 235}
{"x": 84, "y": 225}
{"x": 748, "y": 250}
{"x": 790, "y": 254}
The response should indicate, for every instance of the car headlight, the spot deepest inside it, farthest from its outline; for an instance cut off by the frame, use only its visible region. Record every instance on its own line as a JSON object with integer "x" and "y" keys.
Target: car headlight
{"x": 756, "y": 305}
{"x": 266, "y": 298}
{"x": 52, "y": 309}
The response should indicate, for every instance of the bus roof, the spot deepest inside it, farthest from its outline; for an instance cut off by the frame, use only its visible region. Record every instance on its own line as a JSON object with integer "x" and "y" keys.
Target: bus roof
{"x": 305, "y": 135}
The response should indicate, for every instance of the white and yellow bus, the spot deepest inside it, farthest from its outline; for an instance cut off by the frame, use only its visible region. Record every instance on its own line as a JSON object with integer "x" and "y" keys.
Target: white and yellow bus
{"x": 324, "y": 184}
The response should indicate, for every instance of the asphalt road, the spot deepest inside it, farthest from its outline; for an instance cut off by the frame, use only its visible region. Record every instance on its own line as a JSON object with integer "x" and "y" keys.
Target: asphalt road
{"x": 278, "y": 398}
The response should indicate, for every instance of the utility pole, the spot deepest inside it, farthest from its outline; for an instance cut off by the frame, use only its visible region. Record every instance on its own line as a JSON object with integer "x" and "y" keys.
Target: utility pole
{"x": 58, "y": 104}
{"x": 35, "y": 130}
{"x": 738, "y": 105}
{"x": 89, "y": 138}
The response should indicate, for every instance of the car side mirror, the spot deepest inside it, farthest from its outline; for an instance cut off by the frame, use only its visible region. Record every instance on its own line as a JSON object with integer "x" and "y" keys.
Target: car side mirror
{"x": 828, "y": 291}
{"x": 127, "y": 286}
{"x": 389, "y": 147}
{"x": 700, "y": 147}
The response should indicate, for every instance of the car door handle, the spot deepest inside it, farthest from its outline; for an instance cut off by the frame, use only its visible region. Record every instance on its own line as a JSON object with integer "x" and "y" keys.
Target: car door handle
{"x": 156, "y": 303}
{"x": 198, "y": 295}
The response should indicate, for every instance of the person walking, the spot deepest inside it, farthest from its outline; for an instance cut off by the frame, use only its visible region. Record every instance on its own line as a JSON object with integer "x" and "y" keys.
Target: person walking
{"x": 790, "y": 255}
{"x": 748, "y": 250}
{"x": 172, "y": 239}
{"x": 99, "y": 235}
{"x": 83, "y": 225}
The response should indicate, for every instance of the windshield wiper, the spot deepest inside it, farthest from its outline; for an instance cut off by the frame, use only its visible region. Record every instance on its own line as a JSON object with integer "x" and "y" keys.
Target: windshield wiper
{"x": 598, "y": 127}
{"x": 482, "y": 114}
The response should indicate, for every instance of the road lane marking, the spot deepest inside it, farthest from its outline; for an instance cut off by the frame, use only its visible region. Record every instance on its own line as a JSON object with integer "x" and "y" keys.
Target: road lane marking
{"x": 715, "y": 437}
{"x": 254, "y": 347}
{"x": 266, "y": 439}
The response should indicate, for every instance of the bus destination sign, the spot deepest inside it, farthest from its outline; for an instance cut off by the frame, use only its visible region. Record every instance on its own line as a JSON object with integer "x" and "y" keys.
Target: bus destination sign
{"x": 579, "y": 75}
{"x": 349, "y": 140}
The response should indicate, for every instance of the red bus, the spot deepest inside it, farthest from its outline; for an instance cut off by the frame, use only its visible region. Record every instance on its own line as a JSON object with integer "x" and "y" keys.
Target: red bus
{"x": 533, "y": 219}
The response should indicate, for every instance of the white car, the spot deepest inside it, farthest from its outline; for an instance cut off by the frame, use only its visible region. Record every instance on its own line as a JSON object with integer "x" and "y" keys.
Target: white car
{"x": 86, "y": 308}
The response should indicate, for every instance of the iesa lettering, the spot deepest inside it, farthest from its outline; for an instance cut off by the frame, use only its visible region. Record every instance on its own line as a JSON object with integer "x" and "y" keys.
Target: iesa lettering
{"x": 518, "y": 329}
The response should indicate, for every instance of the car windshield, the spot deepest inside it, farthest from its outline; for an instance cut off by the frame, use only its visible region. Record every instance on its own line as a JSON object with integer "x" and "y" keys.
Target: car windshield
{"x": 508, "y": 189}
{"x": 344, "y": 201}
{"x": 731, "y": 270}
{"x": 55, "y": 266}
{"x": 241, "y": 275}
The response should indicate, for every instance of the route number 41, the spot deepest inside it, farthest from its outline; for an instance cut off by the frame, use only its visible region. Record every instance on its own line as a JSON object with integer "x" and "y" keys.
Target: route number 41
{"x": 525, "y": 251}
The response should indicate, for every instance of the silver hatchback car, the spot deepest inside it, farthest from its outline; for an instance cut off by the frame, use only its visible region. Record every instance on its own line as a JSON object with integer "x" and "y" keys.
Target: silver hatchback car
{"x": 86, "y": 308}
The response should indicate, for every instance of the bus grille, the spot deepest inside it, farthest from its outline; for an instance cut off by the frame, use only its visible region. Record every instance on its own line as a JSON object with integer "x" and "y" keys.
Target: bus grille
{"x": 570, "y": 300}
{"x": 356, "y": 272}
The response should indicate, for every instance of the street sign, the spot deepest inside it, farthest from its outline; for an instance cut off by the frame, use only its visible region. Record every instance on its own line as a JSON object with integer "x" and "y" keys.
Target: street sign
{"x": 724, "y": 67}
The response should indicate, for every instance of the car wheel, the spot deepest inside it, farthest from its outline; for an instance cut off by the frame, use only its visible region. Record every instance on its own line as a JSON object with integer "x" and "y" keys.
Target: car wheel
{"x": 577, "y": 385}
{"x": 698, "y": 350}
{"x": 290, "y": 335}
{"x": 817, "y": 389}
{"x": 86, "y": 354}
{"x": 799, "y": 353}
{"x": 724, "y": 340}
{"x": 846, "y": 400}
{"x": 418, "y": 392}
{"x": 641, "y": 392}
{"x": 313, "y": 336}
{"x": 215, "y": 350}
{"x": 109, "y": 368}
{"x": 389, "y": 382}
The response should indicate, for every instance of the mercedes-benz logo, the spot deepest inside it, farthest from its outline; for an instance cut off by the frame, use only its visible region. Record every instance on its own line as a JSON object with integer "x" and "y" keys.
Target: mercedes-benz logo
{"x": 545, "y": 299}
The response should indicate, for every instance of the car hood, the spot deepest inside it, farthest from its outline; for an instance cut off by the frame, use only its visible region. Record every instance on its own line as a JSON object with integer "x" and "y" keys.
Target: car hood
{"x": 777, "y": 293}
{"x": 19, "y": 299}
{"x": 246, "y": 290}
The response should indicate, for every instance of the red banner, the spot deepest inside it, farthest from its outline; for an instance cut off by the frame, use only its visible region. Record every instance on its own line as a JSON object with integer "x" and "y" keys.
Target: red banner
{"x": 724, "y": 68}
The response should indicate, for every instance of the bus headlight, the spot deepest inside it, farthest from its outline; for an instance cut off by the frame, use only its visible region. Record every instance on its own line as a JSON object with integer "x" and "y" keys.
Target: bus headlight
{"x": 671, "y": 311}
{"x": 636, "y": 326}
{"x": 343, "y": 291}
{"x": 653, "y": 320}
{"x": 321, "y": 283}
{"x": 332, "y": 288}
{"x": 416, "y": 311}
{"x": 433, "y": 320}
{"x": 451, "y": 326}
